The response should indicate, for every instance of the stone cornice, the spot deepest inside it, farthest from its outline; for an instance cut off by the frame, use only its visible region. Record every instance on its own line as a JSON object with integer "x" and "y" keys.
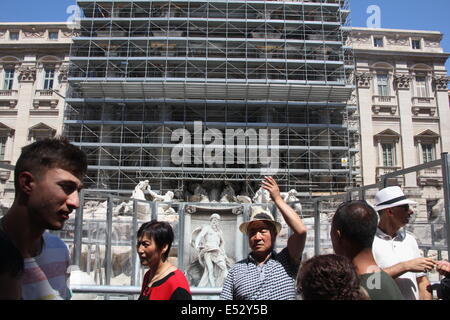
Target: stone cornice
{"x": 395, "y": 32}
{"x": 386, "y": 52}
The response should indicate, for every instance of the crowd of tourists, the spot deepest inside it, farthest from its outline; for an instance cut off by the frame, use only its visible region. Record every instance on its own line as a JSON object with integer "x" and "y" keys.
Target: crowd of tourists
{"x": 374, "y": 257}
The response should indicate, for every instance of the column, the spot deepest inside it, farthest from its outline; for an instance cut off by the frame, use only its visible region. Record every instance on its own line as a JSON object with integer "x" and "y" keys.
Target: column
{"x": 367, "y": 151}
{"x": 403, "y": 84}
{"x": 441, "y": 84}
{"x": 27, "y": 77}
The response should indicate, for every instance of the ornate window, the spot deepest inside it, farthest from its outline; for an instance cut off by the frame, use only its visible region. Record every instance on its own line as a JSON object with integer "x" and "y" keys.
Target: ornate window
{"x": 427, "y": 142}
{"x": 8, "y": 79}
{"x": 388, "y": 150}
{"x": 49, "y": 77}
{"x": 53, "y": 35}
{"x": 378, "y": 42}
{"x": 422, "y": 90}
{"x": 383, "y": 84}
{"x": 387, "y": 142}
{"x": 41, "y": 131}
{"x": 428, "y": 152}
{"x": 416, "y": 44}
{"x": 14, "y": 35}
{"x": 2, "y": 147}
{"x": 421, "y": 76}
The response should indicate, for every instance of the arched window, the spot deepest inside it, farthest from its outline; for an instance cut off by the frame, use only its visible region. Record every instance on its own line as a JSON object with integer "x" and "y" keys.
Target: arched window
{"x": 382, "y": 79}
{"x": 48, "y": 66}
{"x": 422, "y": 80}
{"x": 8, "y": 64}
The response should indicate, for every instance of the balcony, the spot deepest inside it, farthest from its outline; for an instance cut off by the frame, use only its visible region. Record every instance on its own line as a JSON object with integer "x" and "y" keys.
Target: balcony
{"x": 423, "y": 101}
{"x": 430, "y": 177}
{"x": 9, "y": 97}
{"x": 46, "y": 97}
{"x": 423, "y": 106}
{"x": 385, "y": 100}
{"x": 384, "y": 104}
{"x": 381, "y": 171}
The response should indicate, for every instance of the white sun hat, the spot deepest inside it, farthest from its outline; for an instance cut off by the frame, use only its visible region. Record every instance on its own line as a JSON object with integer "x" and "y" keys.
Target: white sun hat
{"x": 259, "y": 214}
{"x": 391, "y": 197}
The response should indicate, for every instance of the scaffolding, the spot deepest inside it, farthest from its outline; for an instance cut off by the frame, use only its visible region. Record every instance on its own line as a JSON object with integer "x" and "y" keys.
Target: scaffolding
{"x": 143, "y": 70}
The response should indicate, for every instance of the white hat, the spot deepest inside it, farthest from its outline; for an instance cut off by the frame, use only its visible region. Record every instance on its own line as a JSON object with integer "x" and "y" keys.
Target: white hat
{"x": 259, "y": 214}
{"x": 391, "y": 197}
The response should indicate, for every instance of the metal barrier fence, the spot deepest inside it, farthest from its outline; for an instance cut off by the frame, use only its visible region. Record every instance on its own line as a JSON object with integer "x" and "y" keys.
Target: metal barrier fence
{"x": 103, "y": 240}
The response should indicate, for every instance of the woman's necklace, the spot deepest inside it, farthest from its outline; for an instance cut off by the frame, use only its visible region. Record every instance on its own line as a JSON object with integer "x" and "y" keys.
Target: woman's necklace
{"x": 160, "y": 276}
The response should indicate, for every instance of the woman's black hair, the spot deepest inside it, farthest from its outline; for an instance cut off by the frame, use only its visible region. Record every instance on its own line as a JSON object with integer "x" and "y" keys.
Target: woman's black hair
{"x": 329, "y": 277}
{"x": 160, "y": 232}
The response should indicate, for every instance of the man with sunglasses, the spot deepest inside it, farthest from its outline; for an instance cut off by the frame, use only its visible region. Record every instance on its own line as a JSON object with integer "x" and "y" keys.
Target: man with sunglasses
{"x": 395, "y": 250}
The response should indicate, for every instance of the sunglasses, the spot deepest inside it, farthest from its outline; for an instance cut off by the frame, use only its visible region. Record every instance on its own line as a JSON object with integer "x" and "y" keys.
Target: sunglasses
{"x": 404, "y": 207}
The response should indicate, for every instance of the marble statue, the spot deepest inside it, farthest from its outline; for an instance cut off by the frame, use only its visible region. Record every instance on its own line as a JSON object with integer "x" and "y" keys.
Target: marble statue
{"x": 243, "y": 199}
{"x": 138, "y": 192}
{"x": 200, "y": 195}
{"x": 261, "y": 196}
{"x": 209, "y": 243}
{"x": 125, "y": 208}
{"x": 291, "y": 196}
{"x": 166, "y": 198}
{"x": 437, "y": 217}
{"x": 228, "y": 195}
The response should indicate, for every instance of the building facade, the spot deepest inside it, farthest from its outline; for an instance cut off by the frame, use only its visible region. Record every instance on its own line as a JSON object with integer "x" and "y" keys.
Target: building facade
{"x": 402, "y": 93}
{"x": 251, "y": 81}
{"x": 34, "y": 63}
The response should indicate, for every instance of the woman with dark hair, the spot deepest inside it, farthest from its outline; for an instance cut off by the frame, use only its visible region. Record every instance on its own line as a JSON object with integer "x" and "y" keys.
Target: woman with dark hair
{"x": 163, "y": 281}
{"x": 329, "y": 277}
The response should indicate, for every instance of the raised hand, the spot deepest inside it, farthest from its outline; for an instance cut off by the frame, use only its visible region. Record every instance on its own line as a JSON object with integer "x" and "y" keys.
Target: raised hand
{"x": 271, "y": 185}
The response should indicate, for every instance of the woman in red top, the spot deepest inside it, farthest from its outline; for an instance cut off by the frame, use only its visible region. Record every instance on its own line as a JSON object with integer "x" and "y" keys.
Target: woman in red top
{"x": 163, "y": 281}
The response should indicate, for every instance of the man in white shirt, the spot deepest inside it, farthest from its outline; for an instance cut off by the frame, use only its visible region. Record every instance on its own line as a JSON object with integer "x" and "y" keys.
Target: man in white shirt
{"x": 395, "y": 250}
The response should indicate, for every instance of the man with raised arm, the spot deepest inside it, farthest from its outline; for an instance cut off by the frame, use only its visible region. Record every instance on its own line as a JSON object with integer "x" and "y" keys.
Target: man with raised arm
{"x": 266, "y": 274}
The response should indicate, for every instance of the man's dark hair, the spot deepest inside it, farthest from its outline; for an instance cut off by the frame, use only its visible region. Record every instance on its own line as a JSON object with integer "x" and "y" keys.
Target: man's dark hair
{"x": 11, "y": 260}
{"x": 329, "y": 277}
{"x": 49, "y": 154}
{"x": 160, "y": 232}
{"x": 357, "y": 220}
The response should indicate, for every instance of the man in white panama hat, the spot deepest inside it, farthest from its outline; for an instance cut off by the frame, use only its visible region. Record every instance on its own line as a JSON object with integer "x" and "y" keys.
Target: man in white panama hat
{"x": 266, "y": 274}
{"x": 395, "y": 250}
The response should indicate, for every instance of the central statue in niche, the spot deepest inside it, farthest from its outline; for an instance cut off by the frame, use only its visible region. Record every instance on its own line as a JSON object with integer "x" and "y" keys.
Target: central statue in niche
{"x": 209, "y": 243}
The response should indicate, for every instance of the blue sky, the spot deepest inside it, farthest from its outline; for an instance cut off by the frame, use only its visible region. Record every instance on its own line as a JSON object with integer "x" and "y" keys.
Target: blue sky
{"x": 395, "y": 14}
